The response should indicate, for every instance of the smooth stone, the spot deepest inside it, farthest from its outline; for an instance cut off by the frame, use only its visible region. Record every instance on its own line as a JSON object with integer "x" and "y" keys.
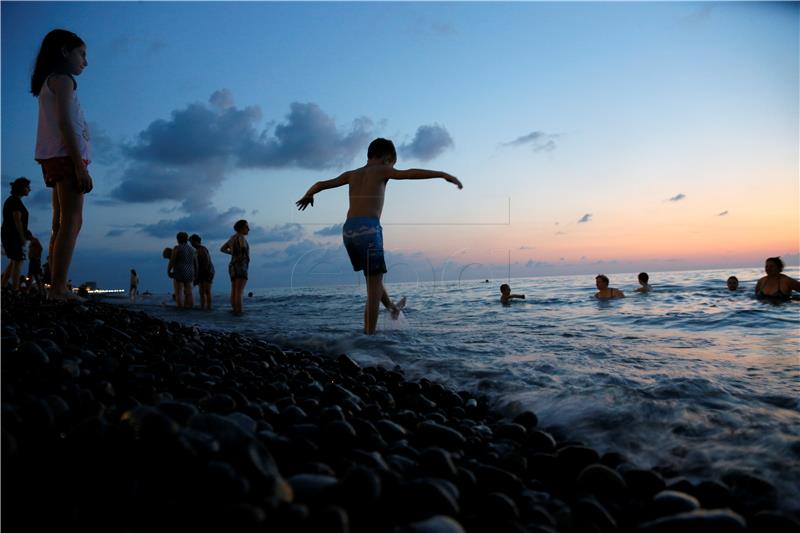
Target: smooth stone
{"x": 540, "y": 441}
{"x": 329, "y": 519}
{"x": 439, "y": 435}
{"x": 602, "y": 481}
{"x": 243, "y": 421}
{"x": 680, "y": 484}
{"x": 499, "y": 506}
{"x": 437, "y": 462}
{"x": 224, "y": 483}
{"x": 373, "y": 460}
{"x": 590, "y": 515}
{"x": 573, "y": 459}
{"x": 229, "y": 434}
{"x": 511, "y": 431}
{"x": 309, "y": 488}
{"x": 527, "y": 419}
{"x": 360, "y": 487}
{"x": 293, "y": 414}
{"x": 774, "y": 522}
{"x": 390, "y": 431}
{"x": 613, "y": 459}
{"x": 543, "y": 466}
{"x": 148, "y": 423}
{"x": 713, "y": 495}
{"x": 423, "y": 498}
{"x": 751, "y": 493}
{"x": 697, "y": 521}
{"x": 434, "y": 524}
{"x": 493, "y": 479}
{"x": 348, "y": 365}
{"x": 643, "y": 484}
{"x": 670, "y": 502}
{"x": 331, "y": 413}
{"x": 339, "y": 434}
{"x": 181, "y": 412}
{"x": 32, "y": 355}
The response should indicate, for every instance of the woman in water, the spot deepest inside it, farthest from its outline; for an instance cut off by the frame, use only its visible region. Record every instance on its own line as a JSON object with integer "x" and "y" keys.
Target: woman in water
{"x": 776, "y": 285}
{"x": 604, "y": 292}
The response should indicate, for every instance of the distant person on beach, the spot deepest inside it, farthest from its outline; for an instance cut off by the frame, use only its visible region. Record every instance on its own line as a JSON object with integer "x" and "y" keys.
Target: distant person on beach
{"x": 733, "y": 283}
{"x": 506, "y": 296}
{"x": 14, "y": 231}
{"x": 775, "y": 285}
{"x": 62, "y": 146}
{"x": 604, "y": 291}
{"x": 239, "y": 250}
{"x": 362, "y": 232}
{"x": 134, "y": 288}
{"x": 643, "y": 285}
{"x": 182, "y": 266}
{"x": 167, "y": 254}
{"x": 35, "y": 261}
{"x": 204, "y": 276}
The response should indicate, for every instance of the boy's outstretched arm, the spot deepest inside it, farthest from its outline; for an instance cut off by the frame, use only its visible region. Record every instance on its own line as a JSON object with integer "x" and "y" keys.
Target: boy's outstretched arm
{"x": 422, "y": 174}
{"x": 308, "y": 198}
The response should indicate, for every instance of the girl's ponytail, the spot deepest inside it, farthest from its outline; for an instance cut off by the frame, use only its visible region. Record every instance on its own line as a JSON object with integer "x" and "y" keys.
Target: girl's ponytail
{"x": 50, "y": 59}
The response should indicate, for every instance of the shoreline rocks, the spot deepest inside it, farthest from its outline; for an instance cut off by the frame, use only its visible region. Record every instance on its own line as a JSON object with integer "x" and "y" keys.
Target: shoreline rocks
{"x": 113, "y": 420}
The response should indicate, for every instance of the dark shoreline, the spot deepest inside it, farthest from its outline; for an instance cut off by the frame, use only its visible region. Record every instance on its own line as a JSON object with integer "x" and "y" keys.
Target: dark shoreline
{"x": 114, "y": 420}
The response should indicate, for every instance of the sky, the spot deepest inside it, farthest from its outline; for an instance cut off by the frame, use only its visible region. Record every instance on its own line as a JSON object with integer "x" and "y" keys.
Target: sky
{"x": 590, "y": 137}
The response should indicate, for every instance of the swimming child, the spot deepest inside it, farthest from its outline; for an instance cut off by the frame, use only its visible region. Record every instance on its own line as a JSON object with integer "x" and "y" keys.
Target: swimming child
{"x": 733, "y": 283}
{"x": 362, "y": 232}
{"x": 643, "y": 279}
{"x": 239, "y": 250}
{"x": 62, "y": 146}
{"x": 506, "y": 296}
{"x": 604, "y": 291}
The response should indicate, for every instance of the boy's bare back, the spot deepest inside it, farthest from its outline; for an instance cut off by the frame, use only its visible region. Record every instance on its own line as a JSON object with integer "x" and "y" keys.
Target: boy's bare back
{"x": 367, "y": 188}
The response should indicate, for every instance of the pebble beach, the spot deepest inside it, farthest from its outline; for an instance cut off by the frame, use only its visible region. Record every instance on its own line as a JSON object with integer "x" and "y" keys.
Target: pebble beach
{"x": 115, "y": 420}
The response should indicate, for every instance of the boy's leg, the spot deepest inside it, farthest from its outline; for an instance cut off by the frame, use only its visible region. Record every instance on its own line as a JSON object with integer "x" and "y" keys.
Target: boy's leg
{"x": 188, "y": 295}
{"x": 375, "y": 293}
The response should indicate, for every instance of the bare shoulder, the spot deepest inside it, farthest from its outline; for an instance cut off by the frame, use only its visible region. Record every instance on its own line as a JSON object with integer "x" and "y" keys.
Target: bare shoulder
{"x": 61, "y": 83}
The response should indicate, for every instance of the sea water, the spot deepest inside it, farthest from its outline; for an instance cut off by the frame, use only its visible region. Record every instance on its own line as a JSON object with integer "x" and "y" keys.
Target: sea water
{"x": 690, "y": 375}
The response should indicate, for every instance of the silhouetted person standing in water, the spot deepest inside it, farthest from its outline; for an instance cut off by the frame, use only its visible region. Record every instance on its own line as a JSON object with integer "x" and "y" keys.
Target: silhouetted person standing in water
{"x": 204, "y": 276}
{"x": 239, "y": 250}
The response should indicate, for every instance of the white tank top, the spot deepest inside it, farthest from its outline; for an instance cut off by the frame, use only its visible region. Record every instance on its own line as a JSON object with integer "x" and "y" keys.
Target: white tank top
{"x": 49, "y": 141}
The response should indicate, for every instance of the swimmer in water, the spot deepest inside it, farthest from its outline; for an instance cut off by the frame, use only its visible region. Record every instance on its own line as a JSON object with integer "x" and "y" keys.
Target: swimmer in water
{"x": 506, "y": 296}
{"x": 604, "y": 292}
{"x": 775, "y": 285}
{"x": 733, "y": 283}
{"x": 643, "y": 279}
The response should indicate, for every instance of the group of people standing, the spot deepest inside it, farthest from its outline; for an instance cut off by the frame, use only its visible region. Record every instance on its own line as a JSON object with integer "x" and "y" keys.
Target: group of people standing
{"x": 15, "y": 236}
{"x": 190, "y": 264}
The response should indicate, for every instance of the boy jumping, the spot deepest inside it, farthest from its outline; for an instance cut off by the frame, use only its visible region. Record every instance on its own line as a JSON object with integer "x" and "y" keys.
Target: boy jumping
{"x": 362, "y": 233}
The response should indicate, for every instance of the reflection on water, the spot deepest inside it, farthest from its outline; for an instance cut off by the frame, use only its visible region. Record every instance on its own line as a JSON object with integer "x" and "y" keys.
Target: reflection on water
{"x": 690, "y": 375}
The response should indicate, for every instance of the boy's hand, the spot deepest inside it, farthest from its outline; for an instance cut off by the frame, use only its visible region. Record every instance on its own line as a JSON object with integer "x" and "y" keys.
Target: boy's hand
{"x": 304, "y": 202}
{"x": 453, "y": 180}
{"x": 83, "y": 179}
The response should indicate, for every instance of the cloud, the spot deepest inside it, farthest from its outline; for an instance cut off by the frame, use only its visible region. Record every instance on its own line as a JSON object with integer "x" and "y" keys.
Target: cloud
{"x": 428, "y": 142}
{"x": 43, "y": 197}
{"x": 585, "y": 218}
{"x": 308, "y": 138}
{"x": 330, "y": 231}
{"x": 104, "y": 149}
{"x": 115, "y": 232}
{"x": 206, "y": 221}
{"x": 677, "y": 198}
{"x": 538, "y": 264}
{"x": 539, "y": 141}
{"x": 526, "y": 247}
{"x": 723, "y": 213}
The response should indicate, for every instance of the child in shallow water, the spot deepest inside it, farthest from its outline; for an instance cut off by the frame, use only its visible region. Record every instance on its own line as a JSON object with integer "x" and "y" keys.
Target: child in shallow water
{"x": 643, "y": 279}
{"x": 506, "y": 296}
{"x": 604, "y": 292}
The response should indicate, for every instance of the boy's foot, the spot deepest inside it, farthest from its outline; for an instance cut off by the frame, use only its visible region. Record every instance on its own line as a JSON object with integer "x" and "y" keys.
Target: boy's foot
{"x": 399, "y": 306}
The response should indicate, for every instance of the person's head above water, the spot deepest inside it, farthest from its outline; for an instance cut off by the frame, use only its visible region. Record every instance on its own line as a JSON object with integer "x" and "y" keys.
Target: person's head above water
{"x": 601, "y": 281}
{"x": 643, "y": 278}
{"x": 773, "y": 265}
{"x": 382, "y": 149}
{"x": 182, "y": 237}
{"x": 504, "y": 288}
{"x": 733, "y": 283}
{"x": 61, "y": 52}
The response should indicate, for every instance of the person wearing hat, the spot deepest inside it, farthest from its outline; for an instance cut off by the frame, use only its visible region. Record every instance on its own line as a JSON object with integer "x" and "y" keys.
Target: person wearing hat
{"x": 15, "y": 230}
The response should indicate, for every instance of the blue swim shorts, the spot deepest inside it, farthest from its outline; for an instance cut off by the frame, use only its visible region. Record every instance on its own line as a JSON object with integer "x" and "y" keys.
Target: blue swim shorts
{"x": 363, "y": 239}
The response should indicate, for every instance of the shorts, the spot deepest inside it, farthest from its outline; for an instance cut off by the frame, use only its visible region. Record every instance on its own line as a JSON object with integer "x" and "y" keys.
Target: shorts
{"x": 207, "y": 278}
{"x": 14, "y": 249}
{"x": 363, "y": 240}
{"x": 238, "y": 270}
{"x": 58, "y": 169}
